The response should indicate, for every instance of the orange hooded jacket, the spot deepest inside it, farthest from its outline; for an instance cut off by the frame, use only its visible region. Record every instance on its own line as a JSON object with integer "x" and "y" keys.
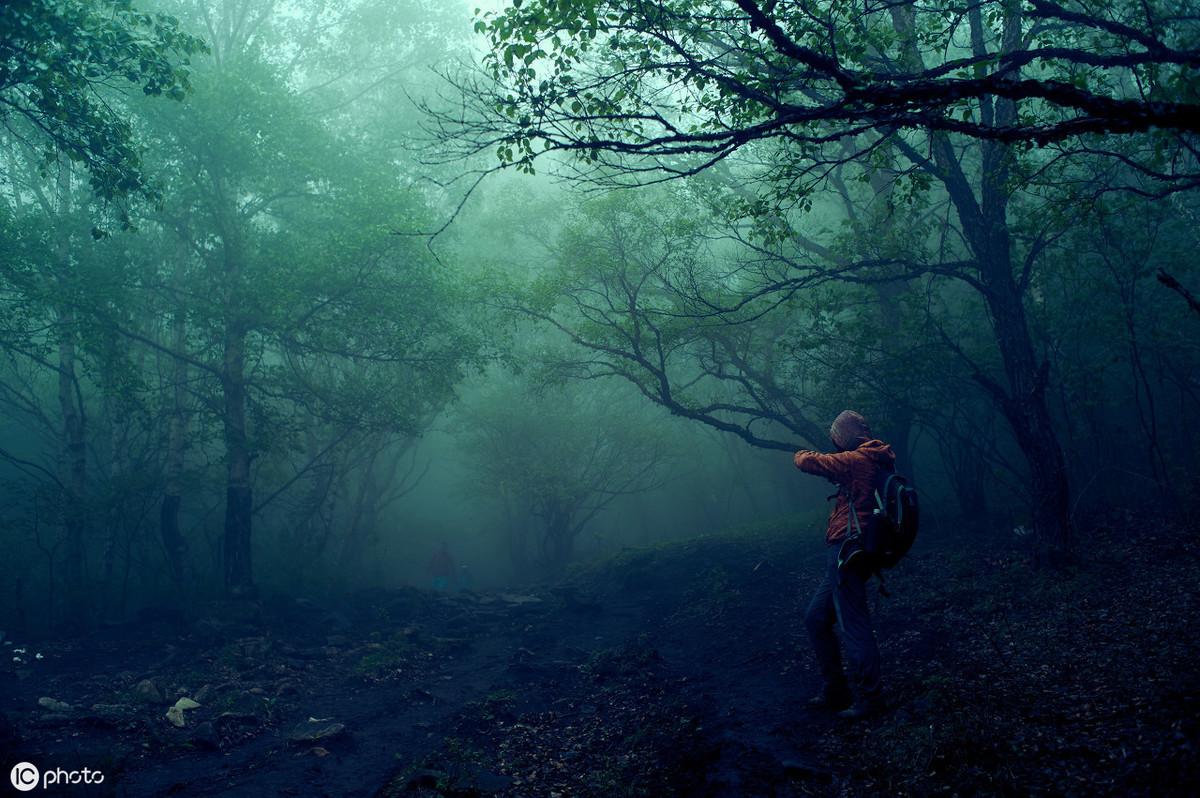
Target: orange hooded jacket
{"x": 854, "y": 472}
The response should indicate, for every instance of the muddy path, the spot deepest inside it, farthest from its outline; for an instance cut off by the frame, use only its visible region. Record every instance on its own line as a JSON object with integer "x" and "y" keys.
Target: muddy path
{"x": 356, "y": 700}
{"x": 679, "y": 671}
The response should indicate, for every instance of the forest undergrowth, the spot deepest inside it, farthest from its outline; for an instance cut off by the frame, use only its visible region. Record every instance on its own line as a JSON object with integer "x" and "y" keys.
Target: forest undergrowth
{"x": 1002, "y": 678}
{"x": 1074, "y": 682}
{"x": 678, "y": 670}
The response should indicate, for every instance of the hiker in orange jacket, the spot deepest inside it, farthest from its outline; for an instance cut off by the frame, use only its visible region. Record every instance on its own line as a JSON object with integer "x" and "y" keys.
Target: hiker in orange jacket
{"x": 841, "y": 598}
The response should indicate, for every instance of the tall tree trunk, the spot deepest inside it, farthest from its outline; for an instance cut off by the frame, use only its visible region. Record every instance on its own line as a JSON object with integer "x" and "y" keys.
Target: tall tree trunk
{"x": 380, "y": 484}
{"x": 559, "y": 542}
{"x": 1025, "y": 408}
{"x": 363, "y": 521}
{"x": 73, "y": 470}
{"x": 985, "y": 227}
{"x": 239, "y": 507}
{"x": 1025, "y": 405}
{"x": 73, "y": 463}
{"x": 116, "y": 496}
{"x": 516, "y": 520}
{"x": 239, "y": 575}
{"x": 1022, "y": 399}
{"x": 898, "y": 427}
{"x": 172, "y": 537}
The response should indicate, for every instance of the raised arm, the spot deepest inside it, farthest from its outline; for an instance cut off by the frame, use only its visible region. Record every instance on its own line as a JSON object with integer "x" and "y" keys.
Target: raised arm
{"x": 834, "y": 467}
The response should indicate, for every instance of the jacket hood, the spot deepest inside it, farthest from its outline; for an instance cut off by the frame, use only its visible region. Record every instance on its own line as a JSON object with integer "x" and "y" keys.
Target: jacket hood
{"x": 878, "y": 451}
{"x": 849, "y": 430}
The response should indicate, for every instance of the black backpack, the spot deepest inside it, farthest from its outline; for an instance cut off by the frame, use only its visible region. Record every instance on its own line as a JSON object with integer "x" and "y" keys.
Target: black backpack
{"x": 893, "y": 528}
{"x": 896, "y": 516}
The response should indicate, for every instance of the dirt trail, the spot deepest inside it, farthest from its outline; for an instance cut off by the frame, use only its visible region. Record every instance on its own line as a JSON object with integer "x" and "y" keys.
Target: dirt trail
{"x": 402, "y": 672}
{"x": 673, "y": 672}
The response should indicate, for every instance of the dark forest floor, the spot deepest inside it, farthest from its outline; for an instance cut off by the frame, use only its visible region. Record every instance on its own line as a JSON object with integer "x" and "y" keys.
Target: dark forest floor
{"x": 675, "y": 671}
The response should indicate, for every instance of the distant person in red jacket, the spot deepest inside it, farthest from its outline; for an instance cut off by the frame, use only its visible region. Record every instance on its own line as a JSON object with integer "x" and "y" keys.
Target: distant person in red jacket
{"x": 441, "y": 567}
{"x": 841, "y": 599}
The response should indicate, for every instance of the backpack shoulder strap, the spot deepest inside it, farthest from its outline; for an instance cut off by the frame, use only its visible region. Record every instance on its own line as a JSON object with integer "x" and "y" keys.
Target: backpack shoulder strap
{"x": 881, "y": 498}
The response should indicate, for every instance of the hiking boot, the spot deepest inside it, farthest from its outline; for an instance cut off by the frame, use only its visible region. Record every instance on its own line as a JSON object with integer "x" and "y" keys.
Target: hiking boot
{"x": 832, "y": 700}
{"x": 862, "y": 709}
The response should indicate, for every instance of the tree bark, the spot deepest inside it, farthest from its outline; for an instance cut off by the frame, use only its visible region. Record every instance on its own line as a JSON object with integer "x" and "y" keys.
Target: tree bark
{"x": 984, "y": 222}
{"x": 363, "y": 521}
{"x": 172, "y": 538}
{"x": 239, "y": 574}
{"x": 1025, "y": 408}
{"x": 239, "y": 503}
{"x": 115, "y": 500}
{"x": 559, "y": 541}
{"x": 73, "y": 469}
{"x": 1022, "y": 400}
{"x": 73, "y": 461}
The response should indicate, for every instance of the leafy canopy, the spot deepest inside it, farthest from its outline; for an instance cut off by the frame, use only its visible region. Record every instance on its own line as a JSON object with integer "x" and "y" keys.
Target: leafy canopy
{"x": 61, "y": 62}
{"x": 676, "y": 85}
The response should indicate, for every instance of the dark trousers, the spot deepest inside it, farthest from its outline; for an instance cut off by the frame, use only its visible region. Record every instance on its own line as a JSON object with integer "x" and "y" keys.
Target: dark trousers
{"x": 841, "y": 600}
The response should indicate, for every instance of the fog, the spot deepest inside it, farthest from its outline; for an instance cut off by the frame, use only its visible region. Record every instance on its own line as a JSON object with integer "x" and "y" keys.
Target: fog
{"x": 329, "y": 307}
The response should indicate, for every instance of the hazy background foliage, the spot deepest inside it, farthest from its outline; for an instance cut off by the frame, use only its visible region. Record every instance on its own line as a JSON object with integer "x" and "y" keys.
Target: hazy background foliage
{"x": 235, "y": 356}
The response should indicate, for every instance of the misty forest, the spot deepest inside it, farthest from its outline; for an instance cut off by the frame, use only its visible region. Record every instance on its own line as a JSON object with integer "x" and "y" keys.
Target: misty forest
{"x": 418, "y": 398}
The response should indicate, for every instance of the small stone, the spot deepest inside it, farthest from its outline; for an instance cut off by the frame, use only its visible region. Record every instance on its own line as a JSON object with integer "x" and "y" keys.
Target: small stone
{"x": 53, "y": 705}
{"x": 316, "y": 729}
{"x": 287, "y": 687}
{"x": 148, "y": 691}
{"x": 236, "y": 718}
{"x": 175, "y": 713}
